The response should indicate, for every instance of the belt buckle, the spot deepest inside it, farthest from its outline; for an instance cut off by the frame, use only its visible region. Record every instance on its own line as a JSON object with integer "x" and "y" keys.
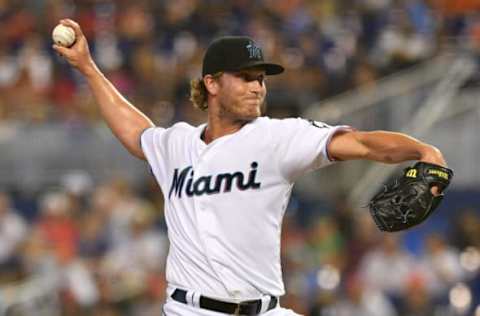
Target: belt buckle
{"x": 237, "y": 310}
{"x": 239, "y": 306}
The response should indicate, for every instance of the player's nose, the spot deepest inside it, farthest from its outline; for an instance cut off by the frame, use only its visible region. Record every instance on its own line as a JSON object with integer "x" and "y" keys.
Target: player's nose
{"x": 256, "y": 86}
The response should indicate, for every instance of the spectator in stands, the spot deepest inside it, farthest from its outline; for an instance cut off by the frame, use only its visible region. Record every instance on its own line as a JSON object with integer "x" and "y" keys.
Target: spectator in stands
{"x": 442, "y": 265}
{"x": 387, "y": 267}
{"x": 13, "y": 231}
{"x": 363, "y": 301}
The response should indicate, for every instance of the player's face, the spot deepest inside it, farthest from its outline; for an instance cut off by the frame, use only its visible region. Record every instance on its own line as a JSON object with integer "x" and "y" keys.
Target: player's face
{"x": 242, "y": 94}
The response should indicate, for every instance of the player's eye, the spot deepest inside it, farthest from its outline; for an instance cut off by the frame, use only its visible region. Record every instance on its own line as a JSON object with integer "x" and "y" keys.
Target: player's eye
{"x": 251, "y": 77}
{"x": 244, "y": 76}
{"x": 261, "y": 79}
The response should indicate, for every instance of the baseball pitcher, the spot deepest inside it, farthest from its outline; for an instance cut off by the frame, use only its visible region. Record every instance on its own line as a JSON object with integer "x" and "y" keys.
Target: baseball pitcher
{"x": 227, "y": 182}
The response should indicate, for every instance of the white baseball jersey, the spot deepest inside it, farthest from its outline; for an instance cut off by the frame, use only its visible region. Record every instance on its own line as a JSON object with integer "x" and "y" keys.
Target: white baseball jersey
{"x": 224, "y": 201}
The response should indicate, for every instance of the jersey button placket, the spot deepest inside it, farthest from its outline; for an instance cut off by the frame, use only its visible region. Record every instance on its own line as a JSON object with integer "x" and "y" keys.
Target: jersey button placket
{"x": 204, "y": 217}
{"x": 201, "y": 170}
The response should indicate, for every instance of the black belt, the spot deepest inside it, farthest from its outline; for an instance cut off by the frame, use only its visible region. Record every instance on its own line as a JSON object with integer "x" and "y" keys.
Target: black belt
{"x": 243, "y": 308}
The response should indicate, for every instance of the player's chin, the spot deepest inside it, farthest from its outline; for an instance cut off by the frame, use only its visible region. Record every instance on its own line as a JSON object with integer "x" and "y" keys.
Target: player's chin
{"x": 253, "y": 109}
{"x": 251, "y": 114}
{"x": 251, "y": 118}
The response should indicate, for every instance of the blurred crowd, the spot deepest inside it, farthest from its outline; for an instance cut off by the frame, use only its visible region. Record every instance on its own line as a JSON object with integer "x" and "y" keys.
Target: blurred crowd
{"x": 86, "y": 248}
{"x": 81, "y": 249}
{"x": 152, "y": 49}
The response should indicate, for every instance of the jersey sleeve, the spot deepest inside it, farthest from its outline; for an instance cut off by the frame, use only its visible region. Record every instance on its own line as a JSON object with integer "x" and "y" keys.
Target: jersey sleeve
{"x": 151, "y": 142}
{"x": 301, "y": 145}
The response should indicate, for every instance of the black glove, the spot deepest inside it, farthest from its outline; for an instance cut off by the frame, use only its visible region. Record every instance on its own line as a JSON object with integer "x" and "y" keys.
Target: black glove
{"x": 408, "y": 201}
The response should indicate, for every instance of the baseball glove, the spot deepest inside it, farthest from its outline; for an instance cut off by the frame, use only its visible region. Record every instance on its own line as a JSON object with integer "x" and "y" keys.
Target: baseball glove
{"x": 408, "y": 201}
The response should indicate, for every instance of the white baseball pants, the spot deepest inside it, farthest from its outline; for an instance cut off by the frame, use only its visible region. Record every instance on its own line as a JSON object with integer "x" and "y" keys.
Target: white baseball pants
{"x": 174, "y": 308}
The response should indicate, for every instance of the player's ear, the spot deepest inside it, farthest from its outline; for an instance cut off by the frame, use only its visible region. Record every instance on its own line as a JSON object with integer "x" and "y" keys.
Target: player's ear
{"x": 211, "y": 84}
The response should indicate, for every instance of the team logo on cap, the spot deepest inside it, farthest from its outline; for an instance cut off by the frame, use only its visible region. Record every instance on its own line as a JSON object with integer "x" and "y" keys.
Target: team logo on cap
{"x": 254, "y": 51}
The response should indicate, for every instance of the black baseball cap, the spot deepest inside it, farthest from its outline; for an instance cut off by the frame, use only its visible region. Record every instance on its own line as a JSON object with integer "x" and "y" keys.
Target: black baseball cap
{"x": 234, "y": 53}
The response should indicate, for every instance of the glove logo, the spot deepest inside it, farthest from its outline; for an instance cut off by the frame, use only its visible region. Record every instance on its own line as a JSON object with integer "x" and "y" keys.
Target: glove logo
{"x": 412, "y": 173}
{"x": 438, "y": 173}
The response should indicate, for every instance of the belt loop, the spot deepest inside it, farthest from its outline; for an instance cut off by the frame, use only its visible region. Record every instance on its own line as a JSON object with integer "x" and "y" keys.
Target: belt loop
{"x": 189, "y": 298}
{"x": 196, "y": 299}
{"x": 265, "y": 302}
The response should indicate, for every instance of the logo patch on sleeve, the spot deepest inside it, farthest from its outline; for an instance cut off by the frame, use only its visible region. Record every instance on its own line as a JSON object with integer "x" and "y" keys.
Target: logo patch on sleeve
{"x": 318, "y": 124}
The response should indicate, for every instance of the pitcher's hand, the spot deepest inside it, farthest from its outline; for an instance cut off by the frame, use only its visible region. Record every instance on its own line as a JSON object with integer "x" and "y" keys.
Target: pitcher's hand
{"x": 78, "y": 55}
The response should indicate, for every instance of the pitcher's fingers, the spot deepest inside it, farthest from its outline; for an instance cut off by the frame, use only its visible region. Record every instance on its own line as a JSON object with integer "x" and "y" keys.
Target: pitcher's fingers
{"x": 74, "y": 25}
{"x": 61, "y": 50}
{"x": 435, "y": 191}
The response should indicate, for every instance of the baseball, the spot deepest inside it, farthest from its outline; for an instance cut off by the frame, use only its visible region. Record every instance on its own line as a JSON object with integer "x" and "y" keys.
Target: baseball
{"x": 63, "y": 35}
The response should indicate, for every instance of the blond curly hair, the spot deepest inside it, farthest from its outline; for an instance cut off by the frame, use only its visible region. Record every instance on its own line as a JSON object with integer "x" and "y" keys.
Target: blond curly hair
{"x": 199, "y": 93}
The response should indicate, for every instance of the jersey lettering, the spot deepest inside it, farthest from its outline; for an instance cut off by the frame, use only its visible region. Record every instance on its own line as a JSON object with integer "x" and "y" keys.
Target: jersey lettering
{"x": 178, "y": 180}
{"x": 203, "y": 185}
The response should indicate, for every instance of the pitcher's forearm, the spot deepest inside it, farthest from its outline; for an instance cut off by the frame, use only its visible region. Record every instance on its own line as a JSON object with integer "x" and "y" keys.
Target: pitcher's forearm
{"x": 391, "y": 147}
{"x": 382, "y": 146}
{"x": 126, "y": 122}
